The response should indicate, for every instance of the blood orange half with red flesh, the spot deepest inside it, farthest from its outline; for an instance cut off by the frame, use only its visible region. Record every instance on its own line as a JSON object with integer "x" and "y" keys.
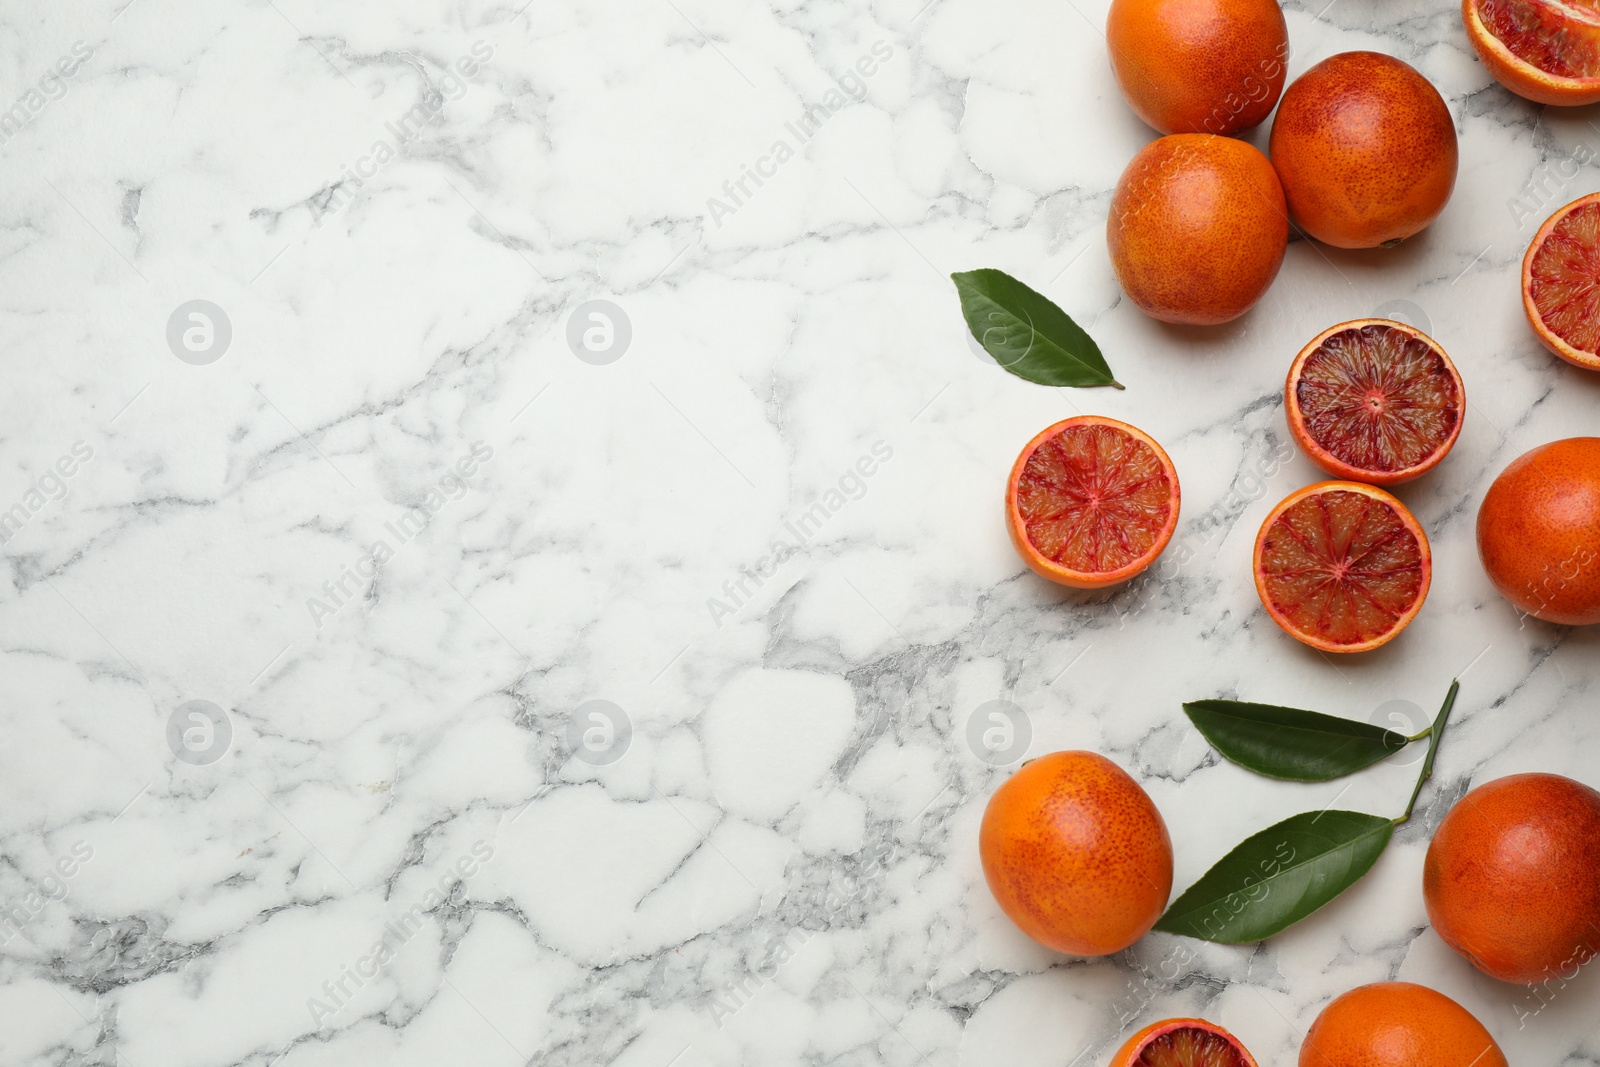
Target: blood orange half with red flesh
{"x": 1545, "y": 50}
{"x": 1374, "y": 401}
{"x": 1342, "y": 566}
{"x": 1183, "y": 1043}
{"x": 1561, "y": 282}
{"x": 1091, "y": 502}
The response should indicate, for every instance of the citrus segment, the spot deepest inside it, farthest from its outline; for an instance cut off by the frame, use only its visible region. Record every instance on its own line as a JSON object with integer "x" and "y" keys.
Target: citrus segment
{"x": 1561, "y": 282}
{"x": 1545, "y": 50}
{"x": 1342, "y": 566}
{"x": 1183, "y": 1043}
{"x": 1091, "y": 502}
{"x": 1375, "y": 401}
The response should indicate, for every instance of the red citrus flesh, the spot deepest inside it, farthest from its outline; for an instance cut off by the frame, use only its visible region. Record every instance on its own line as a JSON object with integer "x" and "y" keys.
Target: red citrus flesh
{"x": 1374, "y": 401}
{"x": 1561, "y": 282}
{"x": 1191, "y": 1047}
{"x": 1545, "y": 50}
{"x": 1091, "y": 502}
{"x": 1183, "y": 1043}
{"x": 1556, "y": 38}
{"x": 1342, "y": 566}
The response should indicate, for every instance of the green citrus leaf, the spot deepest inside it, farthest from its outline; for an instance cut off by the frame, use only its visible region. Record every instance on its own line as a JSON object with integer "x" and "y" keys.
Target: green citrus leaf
{"x": 1277, "y": 877}
{"x": 1302, "y": 746}
{"x": 1027, "y": 334}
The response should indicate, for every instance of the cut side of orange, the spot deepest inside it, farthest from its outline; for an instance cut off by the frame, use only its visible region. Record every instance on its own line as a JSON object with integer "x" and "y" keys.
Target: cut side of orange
{"x": 1544, "y": 50}
{"x": 1091, "y": 502}
{"x": 1183, "y": 1043}
{"x": 1374, "y": 401}
{"x": 1342, "y": 566}
{"x": 1561, "y": 282}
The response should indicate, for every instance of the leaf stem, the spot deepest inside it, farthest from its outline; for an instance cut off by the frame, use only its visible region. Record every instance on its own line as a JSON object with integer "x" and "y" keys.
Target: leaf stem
{"x": 1116, "y": 384}
{"x": 1435, "y": 734}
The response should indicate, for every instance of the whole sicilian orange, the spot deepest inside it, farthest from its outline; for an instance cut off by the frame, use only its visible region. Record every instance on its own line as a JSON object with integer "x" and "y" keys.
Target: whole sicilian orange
{"x": 1512, "y": 878}
{"x": 1539, "y": 531}
{"x": 1183, "y": 1043}
{"x": 1199, "y": 66}
{"x": 1076, "y": 854}
{"x": 1366, "y": 150}
{"x": 1197, "y": 228}
{"x": 1398, "y": 1024}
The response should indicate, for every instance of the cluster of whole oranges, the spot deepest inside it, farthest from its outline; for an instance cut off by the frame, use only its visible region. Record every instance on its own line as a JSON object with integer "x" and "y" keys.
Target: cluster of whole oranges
{"x": 1363, "y": 154}
{"x": 1078, "y": 856}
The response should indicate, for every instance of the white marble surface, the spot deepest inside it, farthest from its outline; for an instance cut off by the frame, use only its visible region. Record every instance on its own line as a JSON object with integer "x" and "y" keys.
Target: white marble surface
{"x": 795, "y": 781}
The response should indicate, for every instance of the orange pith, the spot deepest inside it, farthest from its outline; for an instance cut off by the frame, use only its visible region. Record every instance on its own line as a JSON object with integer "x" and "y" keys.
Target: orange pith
{"x": 1374, "y": 401}
{"x": 1545, "y": 50}
{"x": 1342, "y": 566}
{"x": 1091, "y": 501}
{"x": 1183, "y": 1043}
{"x": 1561, "y": 282}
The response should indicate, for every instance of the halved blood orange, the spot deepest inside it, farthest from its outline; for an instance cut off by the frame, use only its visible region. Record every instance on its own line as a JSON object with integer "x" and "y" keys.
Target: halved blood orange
{"x": 1545, "y": 50}
{"x": 1342, "y": 566}
{"x": 1183, "y": 1043}
{"x": 1091, "y": 502}
{"x": 1374, "y": 401}
{"x": 1561, "y": 282}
